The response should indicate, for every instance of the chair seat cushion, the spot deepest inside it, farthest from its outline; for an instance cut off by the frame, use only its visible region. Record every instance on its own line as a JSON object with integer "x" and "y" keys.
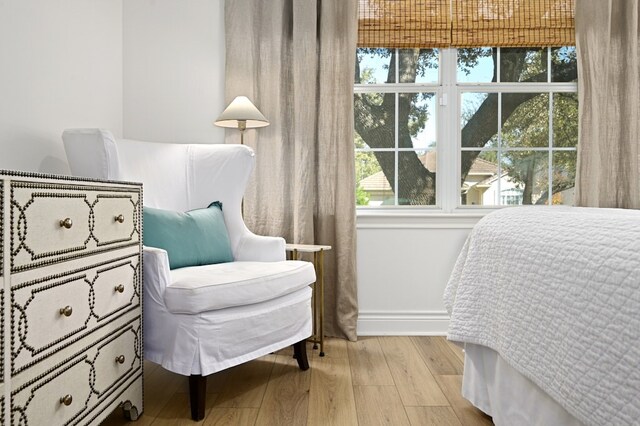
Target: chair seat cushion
{"x": 205, "y": 288}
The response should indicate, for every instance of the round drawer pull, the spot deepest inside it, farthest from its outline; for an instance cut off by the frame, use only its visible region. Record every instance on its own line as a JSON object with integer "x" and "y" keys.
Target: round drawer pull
{"x": 119, "y": 218}
{"x": 66, "y": 400}
{"x": 120, "y": 288}
{"x": 120, "y": 359}
{"x": 66, "y": 311}
{"x": 66, "y": 223}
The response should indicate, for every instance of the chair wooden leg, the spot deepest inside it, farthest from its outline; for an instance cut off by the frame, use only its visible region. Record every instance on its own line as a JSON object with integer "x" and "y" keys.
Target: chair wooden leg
{"x": 197, "y": 395}
{"x": 300, "y": 353}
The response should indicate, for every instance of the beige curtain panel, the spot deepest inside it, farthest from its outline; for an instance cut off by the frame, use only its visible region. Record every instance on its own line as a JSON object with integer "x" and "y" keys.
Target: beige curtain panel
{"x": 608, "y": 46}
{"x": 295, "y": 59}
{"x": 465, "y": 23}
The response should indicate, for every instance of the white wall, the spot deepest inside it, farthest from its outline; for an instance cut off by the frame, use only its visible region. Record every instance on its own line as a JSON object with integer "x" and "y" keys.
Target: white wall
{"x": 404, "y": 262}
{"x": 173, "y": 70}
{"x": 60, "y": 66}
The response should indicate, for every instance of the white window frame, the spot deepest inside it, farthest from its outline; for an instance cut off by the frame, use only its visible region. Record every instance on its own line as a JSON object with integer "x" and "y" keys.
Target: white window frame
{"x": 448, "y": 138}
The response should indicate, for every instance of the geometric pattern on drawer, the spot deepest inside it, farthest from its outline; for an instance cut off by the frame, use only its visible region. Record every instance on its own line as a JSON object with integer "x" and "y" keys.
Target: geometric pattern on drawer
{"x": 56, "y": 222}
{"x": 113, "y": 288}
{"x": 115, "y": 359}
{"x": 51, "y": 313}
{"x": 84, "y": 381}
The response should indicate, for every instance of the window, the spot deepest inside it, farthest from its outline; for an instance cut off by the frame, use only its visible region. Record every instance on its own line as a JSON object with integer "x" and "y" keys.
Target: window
{"x": 395, "y": 123}
{"x": 453, "y": 128}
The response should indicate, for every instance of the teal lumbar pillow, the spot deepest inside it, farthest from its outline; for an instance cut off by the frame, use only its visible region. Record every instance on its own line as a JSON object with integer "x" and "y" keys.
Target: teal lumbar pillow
{"x": 197, "y": 237}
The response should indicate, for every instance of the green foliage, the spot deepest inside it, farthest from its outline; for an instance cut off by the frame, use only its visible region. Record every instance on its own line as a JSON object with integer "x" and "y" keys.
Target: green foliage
{"x": 366, "y": 165}
{"x": 362, "y": 196}
{"x": 468, "y": 58}
{"x": 528, "y": 126}
{"x": 523, "y": 64}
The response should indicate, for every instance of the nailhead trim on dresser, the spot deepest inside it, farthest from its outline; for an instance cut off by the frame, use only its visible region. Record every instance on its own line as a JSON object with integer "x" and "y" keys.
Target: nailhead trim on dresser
{"x": 2, "y": 341}
{"x": 21, "y": 225}
{"x": 92, "y": 292}
{"x": 22, "y": 334}
{"x": 86, "y": 263}
{"x": 2, "y": 334}
{"x": 140, "y": 222}
{"x": 133, "y": 371}
{"x": 20, "y": 173}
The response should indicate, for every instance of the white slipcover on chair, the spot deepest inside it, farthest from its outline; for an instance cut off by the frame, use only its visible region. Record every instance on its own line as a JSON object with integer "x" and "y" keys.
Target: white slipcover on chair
{"x": 202, "y": 319}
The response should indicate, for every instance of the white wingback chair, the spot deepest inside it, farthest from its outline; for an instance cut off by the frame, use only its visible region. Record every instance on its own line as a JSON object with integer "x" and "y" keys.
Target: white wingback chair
{"x": 203, "y": 319}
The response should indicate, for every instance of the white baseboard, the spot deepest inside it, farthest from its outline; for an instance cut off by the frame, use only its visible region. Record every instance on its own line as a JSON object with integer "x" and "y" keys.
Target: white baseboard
{"x": 403, "y": 323}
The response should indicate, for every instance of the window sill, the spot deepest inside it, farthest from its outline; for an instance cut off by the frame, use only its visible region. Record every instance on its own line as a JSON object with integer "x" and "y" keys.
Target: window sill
{"x": 426, "y": 213}
{"x": 418, "y": 218}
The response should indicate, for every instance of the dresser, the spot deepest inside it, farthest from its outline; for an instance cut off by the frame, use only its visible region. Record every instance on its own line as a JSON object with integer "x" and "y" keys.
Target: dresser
{"x": 70, "y": 299}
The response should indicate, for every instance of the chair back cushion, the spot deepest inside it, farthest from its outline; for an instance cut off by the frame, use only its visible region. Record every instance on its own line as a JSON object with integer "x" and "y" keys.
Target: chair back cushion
{"x": 162, "y": 168}
{"x": 194, "y": 238}
{"x": 92, "y": 153}
{"x": 178, "y": 177}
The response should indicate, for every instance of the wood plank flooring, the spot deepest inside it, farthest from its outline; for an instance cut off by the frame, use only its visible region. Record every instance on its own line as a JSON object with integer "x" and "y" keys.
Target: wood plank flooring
{"x": 391, "y": 380}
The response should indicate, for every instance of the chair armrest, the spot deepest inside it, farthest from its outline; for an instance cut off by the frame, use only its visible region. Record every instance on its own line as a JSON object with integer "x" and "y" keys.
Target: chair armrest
{"x": 156, "y": 273}
{"x": 259, "y": 248}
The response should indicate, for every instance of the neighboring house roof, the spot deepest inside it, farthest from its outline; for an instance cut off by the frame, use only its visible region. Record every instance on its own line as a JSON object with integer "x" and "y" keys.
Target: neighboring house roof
{"x": 483, "y": 167}
{"x": 378, "y": 181}
{"x": 375, "y": 182}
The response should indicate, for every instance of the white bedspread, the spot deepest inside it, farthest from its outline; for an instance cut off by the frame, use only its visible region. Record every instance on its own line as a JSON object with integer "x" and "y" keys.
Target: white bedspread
{"x": 556, "y": 292}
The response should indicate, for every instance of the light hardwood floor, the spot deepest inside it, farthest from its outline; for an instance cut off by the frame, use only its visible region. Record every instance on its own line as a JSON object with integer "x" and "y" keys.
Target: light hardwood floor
{"x": 374, "y": 381}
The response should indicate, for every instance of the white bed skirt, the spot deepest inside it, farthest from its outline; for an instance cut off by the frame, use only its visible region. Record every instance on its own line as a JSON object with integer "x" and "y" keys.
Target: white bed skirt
{"x": 510, "y": 398}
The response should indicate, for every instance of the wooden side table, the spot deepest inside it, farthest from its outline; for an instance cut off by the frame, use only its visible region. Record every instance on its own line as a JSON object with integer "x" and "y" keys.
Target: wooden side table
{"x": 318, "y": 288}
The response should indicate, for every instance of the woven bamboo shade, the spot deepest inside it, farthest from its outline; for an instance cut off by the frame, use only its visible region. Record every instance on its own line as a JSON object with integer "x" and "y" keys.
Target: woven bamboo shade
{"x": 513, "y": 23}
{"x": 404, "y": 23}
{"x": 465, "y": 23}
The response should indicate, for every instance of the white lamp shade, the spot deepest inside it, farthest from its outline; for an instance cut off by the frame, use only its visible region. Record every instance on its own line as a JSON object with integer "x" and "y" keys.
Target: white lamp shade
{"x": 241, "y": 109}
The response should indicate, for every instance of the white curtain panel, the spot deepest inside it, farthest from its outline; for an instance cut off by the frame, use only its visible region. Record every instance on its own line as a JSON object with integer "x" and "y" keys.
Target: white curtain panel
{"x": 295, "y": 60}
{"x": 608, "y": 45}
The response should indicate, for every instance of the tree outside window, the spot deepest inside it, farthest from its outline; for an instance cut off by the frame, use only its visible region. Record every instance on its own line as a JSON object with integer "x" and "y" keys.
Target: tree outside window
{"x": 517, "y": 125}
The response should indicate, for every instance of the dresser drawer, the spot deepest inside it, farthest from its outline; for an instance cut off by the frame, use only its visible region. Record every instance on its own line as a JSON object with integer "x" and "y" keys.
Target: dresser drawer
{"x": 57, "y": 398}
{"x": 114, "y": 288}
{"x": 45, "y": 315}
{"x": 114, "y": 218}
{"x": 49, "y": 314}
{"x": 116, "y": 359}
{"x": 55, "y": 222}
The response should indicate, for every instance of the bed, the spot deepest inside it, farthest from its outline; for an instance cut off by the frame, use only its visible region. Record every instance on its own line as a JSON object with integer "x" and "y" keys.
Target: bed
{"x": 546, "y": 302}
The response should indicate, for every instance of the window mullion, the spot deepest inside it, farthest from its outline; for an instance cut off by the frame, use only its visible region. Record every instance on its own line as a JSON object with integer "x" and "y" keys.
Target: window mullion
{"x": 550, "y": 171}
{"x": 395, "y": 150}
{"x": 449, "y": 136}
{"x": 499, "y": 192}
{"x": 396, "y": 130}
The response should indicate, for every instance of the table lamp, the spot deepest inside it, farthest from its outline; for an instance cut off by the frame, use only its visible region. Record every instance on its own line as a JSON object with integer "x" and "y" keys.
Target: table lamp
{"x": 241, "y": 114}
